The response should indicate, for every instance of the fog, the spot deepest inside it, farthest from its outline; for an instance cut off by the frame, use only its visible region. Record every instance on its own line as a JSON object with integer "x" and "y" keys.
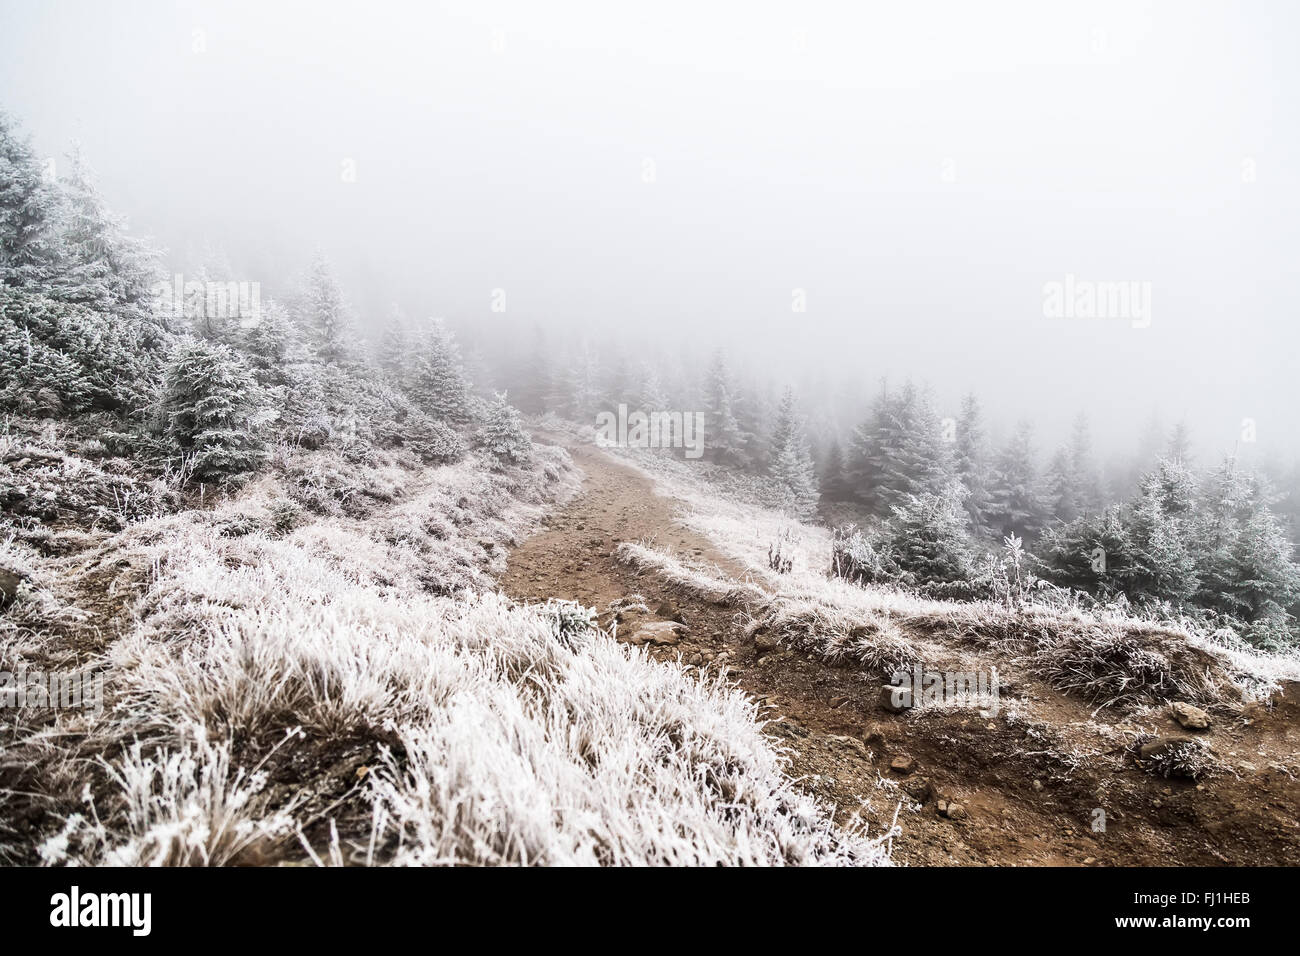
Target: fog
{"x": 681, "y": 176}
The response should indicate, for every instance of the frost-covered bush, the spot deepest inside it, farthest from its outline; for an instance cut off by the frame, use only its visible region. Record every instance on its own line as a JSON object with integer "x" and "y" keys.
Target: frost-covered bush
{"x": 572, "y": 621}
{"x": 1187, "y": 758}
{"x": 856, "y": 559}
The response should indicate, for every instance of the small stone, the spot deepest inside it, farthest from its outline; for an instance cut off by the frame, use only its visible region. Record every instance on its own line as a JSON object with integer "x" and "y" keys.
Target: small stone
{"x": 955, "y": 811}
{"x": 894, "y": 699}
{"x": 1089, "y": 860}
{"x": 852, "y": 745}
{"x": 9, "y": 582}
{"x": 902, "y": 764}
{"x": 660, "y": 632}
{"x": 766, "y": 641}
{"x": 918, "y": 788}
{"x": 1189, "y": 717}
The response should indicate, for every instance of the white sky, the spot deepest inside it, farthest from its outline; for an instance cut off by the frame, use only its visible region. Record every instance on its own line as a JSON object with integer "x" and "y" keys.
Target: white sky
{"x": 797, "y": 145}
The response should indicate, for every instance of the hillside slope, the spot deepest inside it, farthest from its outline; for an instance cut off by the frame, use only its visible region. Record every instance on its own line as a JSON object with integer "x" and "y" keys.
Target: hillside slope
{"x": 319, "y": 668}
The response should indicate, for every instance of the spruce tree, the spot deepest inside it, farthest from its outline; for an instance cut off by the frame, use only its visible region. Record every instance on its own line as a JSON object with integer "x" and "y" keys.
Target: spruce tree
{"x": 212, "y": 411}
{"x": 272, "y": 343}
{"x": 323, "y": 313}
{"x": 1265, "y": 585}
{"x": 101, "y": 264}
{"x": 29, "y": 248}
{"x": 584, "y": 395}
{"x": 792, "y": 467}
{"x": 899, "y": 451}
{"x": 835, "y": 484}
{"x": 725, "y": 439}
{"x": 1060, "y": 488}
{"x": 1159, "y": 564}
{"x": 1015, "y": 499}
{"x": 928, "y": 536}
{"x": 1180, "y": 444}
{"x": 1085, "y": 479}
{"x": 438, "y": 383}
{"x": 502, "y": 434}
{"x": 394, "y": 354}
{"x": 971, "y": 462}
{"x": 650, "y": 395}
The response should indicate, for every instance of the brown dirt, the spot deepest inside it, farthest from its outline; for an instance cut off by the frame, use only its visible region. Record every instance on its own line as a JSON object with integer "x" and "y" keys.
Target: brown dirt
{"x": 1027, "y": 800}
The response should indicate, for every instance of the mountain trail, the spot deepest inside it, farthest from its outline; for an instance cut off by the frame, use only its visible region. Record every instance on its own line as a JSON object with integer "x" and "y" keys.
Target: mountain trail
{"x": 1025, "y": 799}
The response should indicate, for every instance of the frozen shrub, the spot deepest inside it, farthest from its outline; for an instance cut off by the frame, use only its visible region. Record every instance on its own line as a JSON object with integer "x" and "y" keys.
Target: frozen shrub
{"x": 776, "y": 561}
{"x": 854, "y": 558}
{"x": 1184, "y": 757}
{"x": 570, "y": 620}
{"x": 285, "y": 515}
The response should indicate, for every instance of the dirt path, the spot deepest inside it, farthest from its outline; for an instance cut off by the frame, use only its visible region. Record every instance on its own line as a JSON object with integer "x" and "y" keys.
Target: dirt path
{"x": 1023, "y": 803}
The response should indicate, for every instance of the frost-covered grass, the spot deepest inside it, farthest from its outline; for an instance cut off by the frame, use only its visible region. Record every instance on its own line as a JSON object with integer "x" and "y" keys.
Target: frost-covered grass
{"x": 502, "y": 737}
{"x": 710, "y": 583}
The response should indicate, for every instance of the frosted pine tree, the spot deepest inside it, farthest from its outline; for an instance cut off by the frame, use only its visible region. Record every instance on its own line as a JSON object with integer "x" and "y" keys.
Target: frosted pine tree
{"x": 971, "y": 462}
{"x": 1060, "y": 488}
{"x": 394, "y": 355}
{"x": 1265, "y": 583}
{"x": 650, "y": 395}
{"x": 272, "y": 343}
{"x": 1244, "y": 560}
{"x": 103, "y": 266}
{"x": 1015, "y": 498}
{"x": 929, "y": 537}
{"x": 437, "y": 382}
{"x": 834, "y": 475}
{"x": 1085, "y": 479}
{"x": 1159, "y": 564}
{"x": 212, "y": 411}
{"x": 502, "y": 434}
{"x": 323, "y": 313}
{"x": 1180, "y": 444}
{"x": 792, "y": 469}
{"x": 582, "y": 384}
{"x": 28, "y": 214}
{"x": 899, "y": 451}
{"x": 724, "y": 437}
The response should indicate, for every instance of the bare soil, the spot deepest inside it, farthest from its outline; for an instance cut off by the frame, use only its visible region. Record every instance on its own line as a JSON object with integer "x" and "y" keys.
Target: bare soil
{"x": 1028, "y": 799}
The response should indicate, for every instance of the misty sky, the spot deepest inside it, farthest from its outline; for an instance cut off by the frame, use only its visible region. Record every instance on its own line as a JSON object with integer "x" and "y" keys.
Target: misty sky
{"x": 920, "y": 170}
